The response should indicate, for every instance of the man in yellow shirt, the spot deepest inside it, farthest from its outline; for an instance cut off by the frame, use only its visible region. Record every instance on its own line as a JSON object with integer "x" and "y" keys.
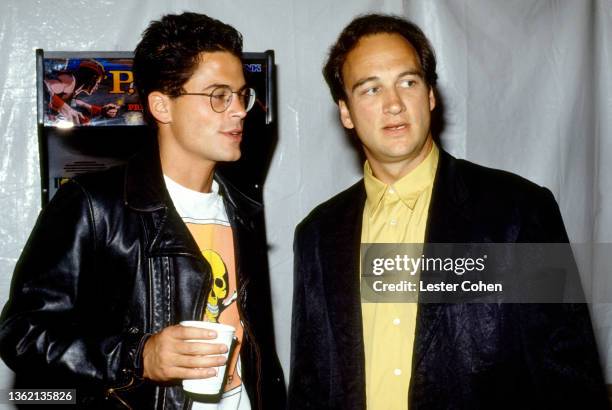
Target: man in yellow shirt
{"x": 348, "y": 353}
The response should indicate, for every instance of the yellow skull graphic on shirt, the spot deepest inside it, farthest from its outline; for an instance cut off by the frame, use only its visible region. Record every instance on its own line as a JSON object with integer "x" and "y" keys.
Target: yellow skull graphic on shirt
{"x": 218, "y": 291}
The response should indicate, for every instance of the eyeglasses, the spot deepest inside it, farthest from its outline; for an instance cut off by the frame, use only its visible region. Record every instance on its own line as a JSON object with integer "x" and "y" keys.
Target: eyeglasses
{"x": 221, "y": 98}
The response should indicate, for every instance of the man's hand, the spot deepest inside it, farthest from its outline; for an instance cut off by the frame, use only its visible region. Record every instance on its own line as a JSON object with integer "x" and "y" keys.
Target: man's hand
{"x": 168, "y": 356}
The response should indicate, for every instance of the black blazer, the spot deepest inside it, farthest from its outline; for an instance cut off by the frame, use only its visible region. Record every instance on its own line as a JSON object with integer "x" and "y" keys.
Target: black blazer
{"x": 466, "y": 356}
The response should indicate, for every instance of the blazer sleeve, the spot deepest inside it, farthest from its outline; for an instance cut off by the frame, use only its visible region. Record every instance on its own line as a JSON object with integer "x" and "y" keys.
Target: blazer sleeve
{"x": 44, "y": 325}
{"x": 557, "y": 338}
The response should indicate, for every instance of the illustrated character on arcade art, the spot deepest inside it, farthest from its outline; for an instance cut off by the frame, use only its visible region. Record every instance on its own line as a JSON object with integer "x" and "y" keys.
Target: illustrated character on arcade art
{"x": 216, "y": 302}
{"x": 62, "y": 88}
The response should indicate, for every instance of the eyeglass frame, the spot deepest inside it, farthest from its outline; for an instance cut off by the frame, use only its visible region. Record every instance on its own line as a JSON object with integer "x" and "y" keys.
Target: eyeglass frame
{"x": 229, "y": 101}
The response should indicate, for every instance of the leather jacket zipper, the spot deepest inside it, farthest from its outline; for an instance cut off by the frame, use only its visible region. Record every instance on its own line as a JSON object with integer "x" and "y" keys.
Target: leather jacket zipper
{"x": 151, "y": 270}
{"x": 113, "y": 392}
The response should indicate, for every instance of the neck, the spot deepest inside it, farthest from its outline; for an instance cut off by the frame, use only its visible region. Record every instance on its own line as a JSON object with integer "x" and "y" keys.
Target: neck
{"x": 391, "y": 171}
{"x": 190, "y": 172}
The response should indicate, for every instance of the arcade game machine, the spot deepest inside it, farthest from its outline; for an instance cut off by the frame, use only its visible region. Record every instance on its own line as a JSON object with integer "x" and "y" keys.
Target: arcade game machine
{"x": 90, "y": 118}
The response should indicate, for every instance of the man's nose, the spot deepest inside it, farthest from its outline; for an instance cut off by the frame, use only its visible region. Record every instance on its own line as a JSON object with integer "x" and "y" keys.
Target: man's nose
{"x": 393, "y": 103}
{"x": 237, "y": 108}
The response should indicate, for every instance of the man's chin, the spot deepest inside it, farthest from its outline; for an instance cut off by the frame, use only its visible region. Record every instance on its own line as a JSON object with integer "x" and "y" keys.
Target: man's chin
{"x": 233, "y": 157}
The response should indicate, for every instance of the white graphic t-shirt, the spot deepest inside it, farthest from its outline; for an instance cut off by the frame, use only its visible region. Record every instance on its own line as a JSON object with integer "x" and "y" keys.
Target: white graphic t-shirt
{"x": 206, "y": 218}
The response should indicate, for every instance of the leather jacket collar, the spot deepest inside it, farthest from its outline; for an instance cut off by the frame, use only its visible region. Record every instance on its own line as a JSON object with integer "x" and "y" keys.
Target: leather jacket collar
{"x": 146, "y": 192}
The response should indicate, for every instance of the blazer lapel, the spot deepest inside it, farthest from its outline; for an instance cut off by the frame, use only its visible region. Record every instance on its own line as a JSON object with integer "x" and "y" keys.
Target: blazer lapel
{"x": 340, "y": 247}
{"x": 447, "y": 222}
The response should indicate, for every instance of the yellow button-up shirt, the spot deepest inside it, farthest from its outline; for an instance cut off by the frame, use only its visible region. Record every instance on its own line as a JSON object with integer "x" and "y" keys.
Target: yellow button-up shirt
{"x": 395, "y": 213}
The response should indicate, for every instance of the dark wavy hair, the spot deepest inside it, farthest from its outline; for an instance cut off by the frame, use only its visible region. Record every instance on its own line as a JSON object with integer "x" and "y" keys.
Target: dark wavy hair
{"x": 169, "y": 52}
{"x": 370, "y": 24}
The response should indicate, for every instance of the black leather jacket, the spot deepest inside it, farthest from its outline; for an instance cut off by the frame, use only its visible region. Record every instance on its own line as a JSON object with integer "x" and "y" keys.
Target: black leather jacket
{"x": 109, "y": 263}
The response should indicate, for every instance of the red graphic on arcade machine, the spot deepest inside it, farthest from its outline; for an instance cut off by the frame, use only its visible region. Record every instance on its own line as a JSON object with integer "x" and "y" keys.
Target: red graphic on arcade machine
{"x": 63, "y": 88}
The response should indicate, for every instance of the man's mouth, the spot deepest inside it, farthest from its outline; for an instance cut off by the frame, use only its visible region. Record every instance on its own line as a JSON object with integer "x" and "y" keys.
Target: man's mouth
{"x": 236, "y": 132}
{"x": 396, "y": 127}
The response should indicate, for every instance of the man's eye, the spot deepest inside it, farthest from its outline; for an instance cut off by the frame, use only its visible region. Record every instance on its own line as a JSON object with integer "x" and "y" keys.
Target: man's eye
{"x": 407, "y": 83}
{"x": 371, "y": 91}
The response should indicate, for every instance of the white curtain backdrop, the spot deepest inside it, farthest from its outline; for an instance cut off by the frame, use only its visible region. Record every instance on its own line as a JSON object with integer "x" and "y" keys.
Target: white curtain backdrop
{"x": 525, "y": 85}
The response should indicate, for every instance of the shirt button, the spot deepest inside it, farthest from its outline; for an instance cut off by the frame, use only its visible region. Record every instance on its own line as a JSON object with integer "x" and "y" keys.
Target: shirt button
{"x": 391, "y": 190}
{"x": 396, "y": 321}
{"x": 397, "y": 372}
{"x": 393, "y": 222}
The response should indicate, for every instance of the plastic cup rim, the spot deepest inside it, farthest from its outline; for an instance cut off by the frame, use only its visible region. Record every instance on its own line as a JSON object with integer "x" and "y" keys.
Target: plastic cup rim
{"x": 220, "y": 327}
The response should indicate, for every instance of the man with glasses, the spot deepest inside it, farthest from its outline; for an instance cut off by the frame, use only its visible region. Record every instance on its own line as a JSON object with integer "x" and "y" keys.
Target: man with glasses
{"x": 118, "y": 259}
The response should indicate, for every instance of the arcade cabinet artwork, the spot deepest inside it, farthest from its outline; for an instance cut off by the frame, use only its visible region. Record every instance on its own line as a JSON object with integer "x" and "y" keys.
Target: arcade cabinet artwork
{"x": 90, "y": 118}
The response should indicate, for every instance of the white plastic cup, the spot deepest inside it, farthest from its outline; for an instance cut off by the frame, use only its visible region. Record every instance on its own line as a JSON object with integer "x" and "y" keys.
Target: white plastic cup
{"x": 211, "y": 386}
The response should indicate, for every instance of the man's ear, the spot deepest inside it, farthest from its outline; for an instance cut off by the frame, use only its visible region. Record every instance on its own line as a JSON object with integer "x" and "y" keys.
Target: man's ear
{"x": 345, "y": 115}
{"x": 159, "y": 105}
{"x": 432, "y": 99}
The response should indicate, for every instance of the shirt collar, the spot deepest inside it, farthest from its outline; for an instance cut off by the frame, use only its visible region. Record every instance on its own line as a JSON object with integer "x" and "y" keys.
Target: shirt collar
{"x": 408, "y": 188}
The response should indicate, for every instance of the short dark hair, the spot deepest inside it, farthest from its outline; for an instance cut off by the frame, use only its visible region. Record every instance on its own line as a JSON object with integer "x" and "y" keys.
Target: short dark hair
{"x": 367, "y": 25}
{"x": 170, "y": 49}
